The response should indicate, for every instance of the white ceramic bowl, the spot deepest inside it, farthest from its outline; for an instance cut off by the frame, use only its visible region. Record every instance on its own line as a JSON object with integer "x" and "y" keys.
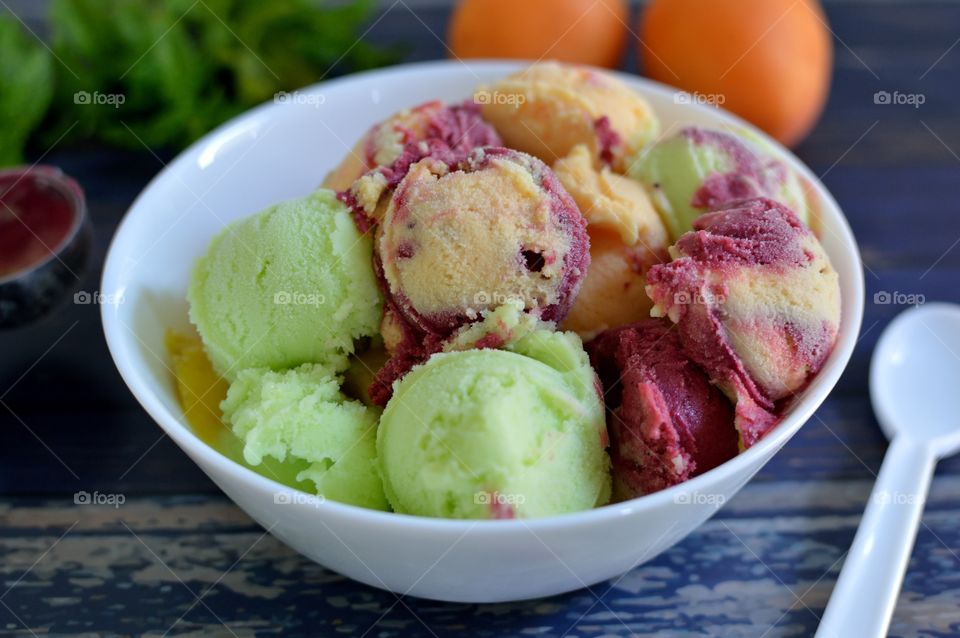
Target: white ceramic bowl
{"x": 283, "y": 150}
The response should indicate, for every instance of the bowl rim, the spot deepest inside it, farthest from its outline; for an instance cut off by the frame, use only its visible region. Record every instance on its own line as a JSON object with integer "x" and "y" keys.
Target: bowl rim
{"x": 805, "y": 404}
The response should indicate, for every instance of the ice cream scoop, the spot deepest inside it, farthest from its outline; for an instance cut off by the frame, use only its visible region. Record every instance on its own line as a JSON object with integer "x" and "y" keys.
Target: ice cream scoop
{"x": 700, "y": 169}
{"x": 549, "y": 108}
{"x": 626, "y": 238}
{"x": 613, "y": 292}
{"x": 458, "y": 240}
{"x": 383, "y": 156}
{"x": 667, "y": 421}
{"x": 497, "y": 434}
{"x": 406, "y": 346}
{"x": 457, "y": 126}
{"x": 756, "y": 302}
{"x": 300, "y": 415}
{"x": 497, "y": 328}
{"x": 201, "y": 391}
{"x": 290, "y": 285}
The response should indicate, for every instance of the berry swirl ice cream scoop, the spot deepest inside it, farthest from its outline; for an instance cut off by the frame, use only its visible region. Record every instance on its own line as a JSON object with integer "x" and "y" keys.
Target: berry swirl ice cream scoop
{"x": 700, "y": 169}
{"x": 368, "y": 175}
{"x": 458, "y": 240}
{"x": 667, "y": 422}
{"x": 432, "y": 124}
{"x": 757, "y": 304}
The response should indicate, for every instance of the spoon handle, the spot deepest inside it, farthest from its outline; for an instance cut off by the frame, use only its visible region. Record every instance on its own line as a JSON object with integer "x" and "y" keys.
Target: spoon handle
{"x": 866, "y": 593}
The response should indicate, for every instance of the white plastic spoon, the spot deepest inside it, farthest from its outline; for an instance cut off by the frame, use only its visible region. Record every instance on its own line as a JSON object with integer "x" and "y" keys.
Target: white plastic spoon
{"x": 915, "y": 390}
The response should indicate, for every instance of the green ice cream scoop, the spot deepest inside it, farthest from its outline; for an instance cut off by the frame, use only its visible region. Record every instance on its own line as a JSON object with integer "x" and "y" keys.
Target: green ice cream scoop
{"x": 698, "y": 169}
{"x": 300, "y": 418}
{"x": 497, "y": 434}
{"x": 291, "y": 285}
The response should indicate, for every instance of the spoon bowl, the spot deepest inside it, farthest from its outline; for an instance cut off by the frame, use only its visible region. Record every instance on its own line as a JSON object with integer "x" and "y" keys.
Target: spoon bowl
{"x": 915, "y": 377}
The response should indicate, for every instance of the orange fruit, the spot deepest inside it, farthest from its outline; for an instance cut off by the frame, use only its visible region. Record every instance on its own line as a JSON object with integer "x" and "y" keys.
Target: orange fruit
{"x": 769, "y": 61}
{"x": 581, "y": 31}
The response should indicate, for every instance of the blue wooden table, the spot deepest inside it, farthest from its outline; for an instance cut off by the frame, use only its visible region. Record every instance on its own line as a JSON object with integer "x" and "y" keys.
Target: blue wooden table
{"x": 176, "y": 557}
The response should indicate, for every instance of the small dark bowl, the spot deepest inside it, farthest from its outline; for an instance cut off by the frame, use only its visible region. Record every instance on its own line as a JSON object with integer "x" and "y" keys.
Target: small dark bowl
{"x": 50, "y": 270}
